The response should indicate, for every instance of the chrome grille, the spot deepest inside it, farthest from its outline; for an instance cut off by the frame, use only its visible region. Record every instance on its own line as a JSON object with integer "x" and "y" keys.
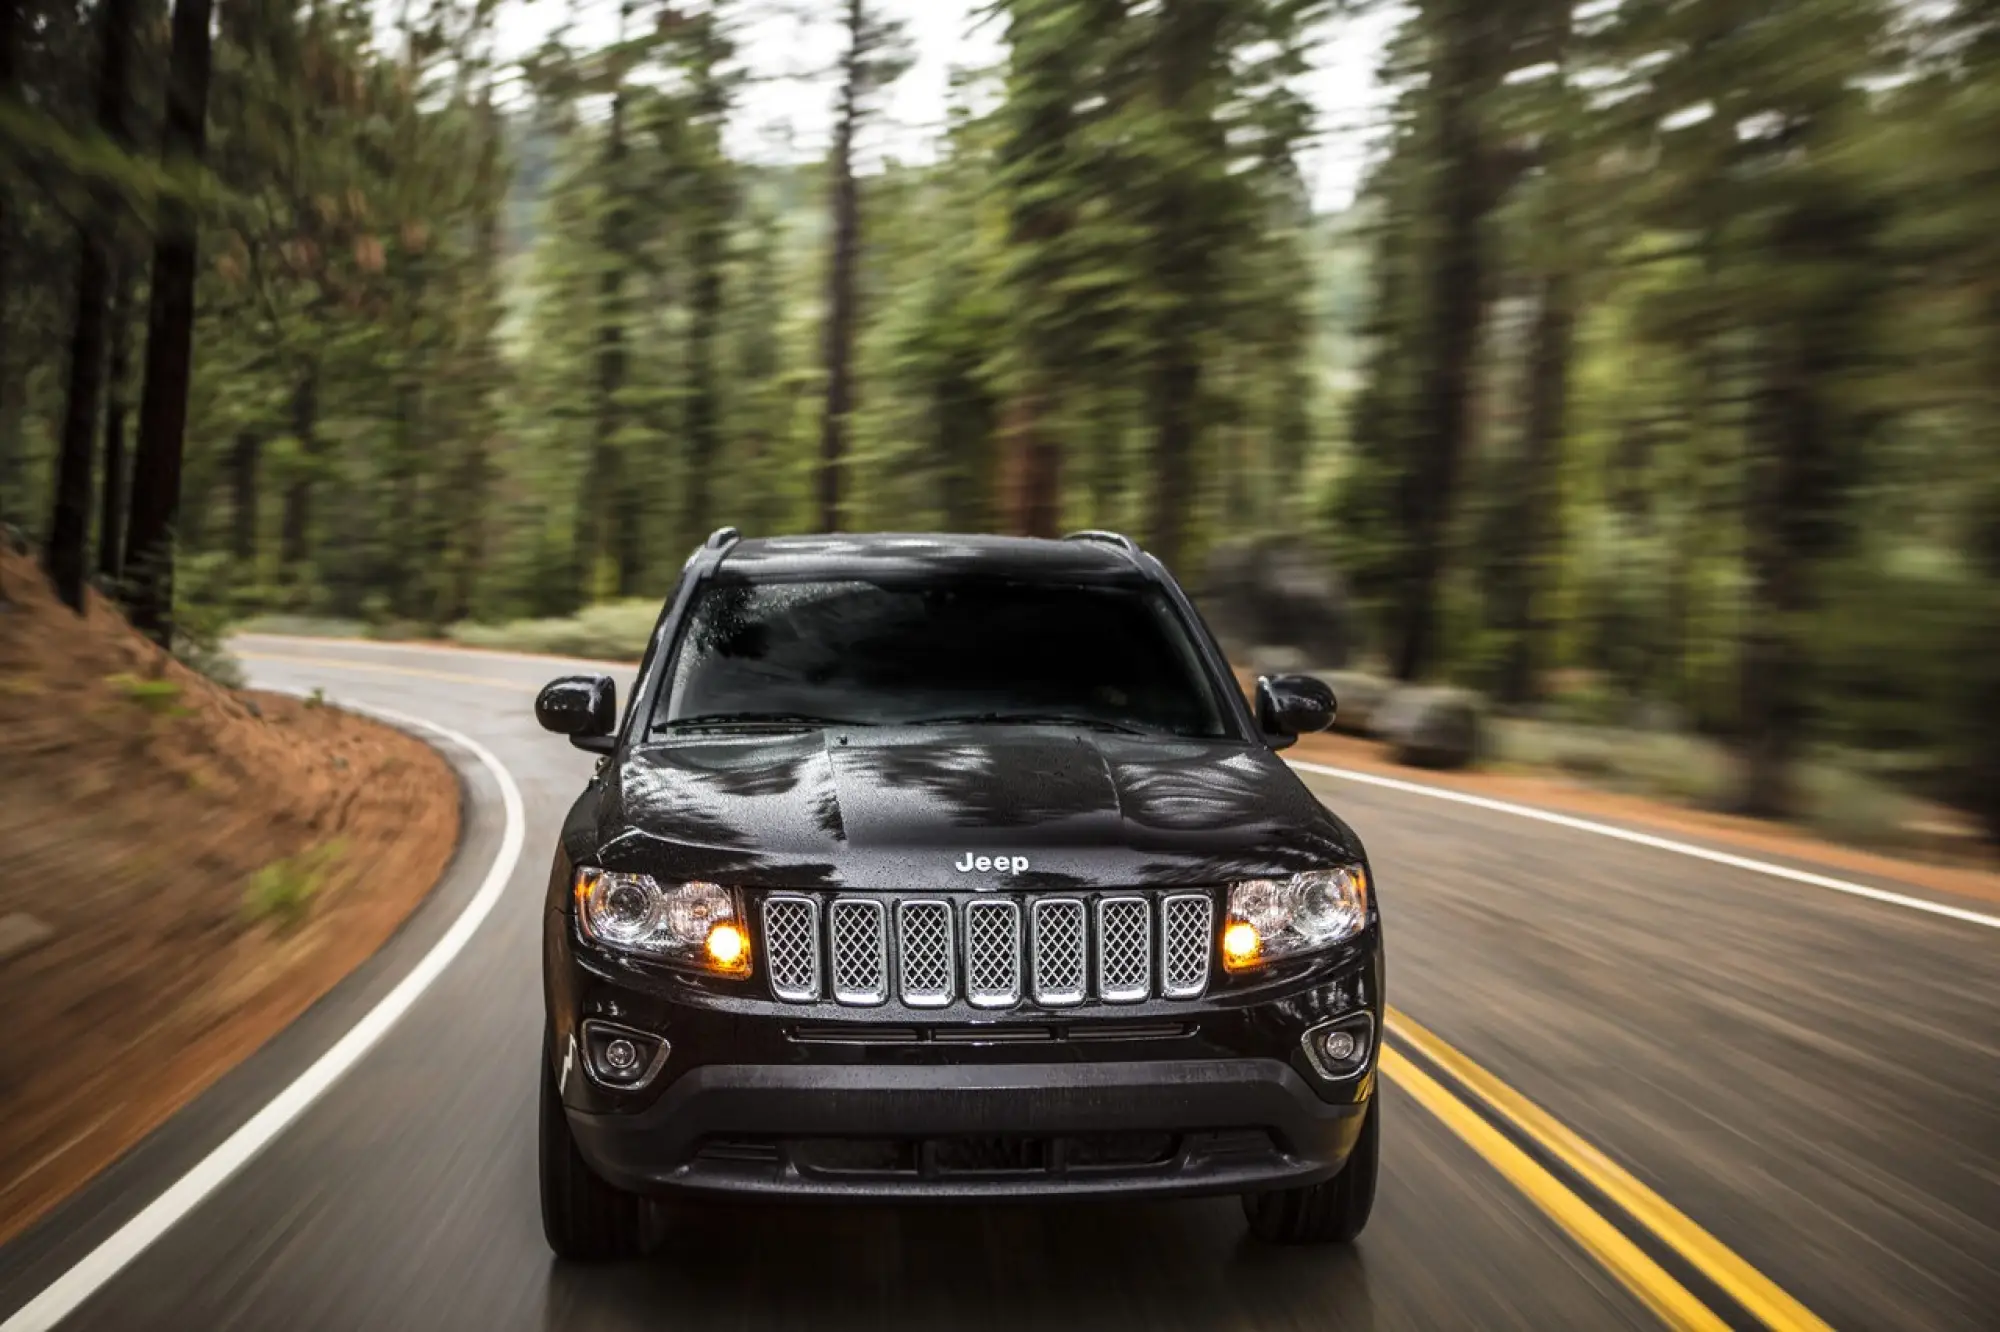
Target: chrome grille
{"x": 923, "y": 953}
{"x": 1057, "y": 934}
{"x": 1185, "y": 945}
{"x": 992, "y": 952}
{"x": 791, "y": 947}
{"x": 1124, "y": 949}
{"x": 855, "y": 926}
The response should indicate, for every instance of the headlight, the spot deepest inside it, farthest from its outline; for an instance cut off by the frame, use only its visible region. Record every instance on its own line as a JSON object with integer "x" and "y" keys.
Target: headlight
{"x": 1277, "y": 918}
{"x": 691, "y": 924}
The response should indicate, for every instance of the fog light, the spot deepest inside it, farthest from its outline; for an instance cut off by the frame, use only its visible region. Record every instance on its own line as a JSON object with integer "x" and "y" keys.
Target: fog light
{"x": 621, "y": 1057}
{"x": 1341, "y": 1048}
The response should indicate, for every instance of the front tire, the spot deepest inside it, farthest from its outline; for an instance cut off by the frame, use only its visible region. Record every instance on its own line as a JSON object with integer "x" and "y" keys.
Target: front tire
{"x": 584, "y": 1219}
{"x": 1330, "y": 1213}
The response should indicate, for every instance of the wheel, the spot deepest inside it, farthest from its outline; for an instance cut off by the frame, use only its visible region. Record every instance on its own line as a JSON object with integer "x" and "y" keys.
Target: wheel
{"x": 583, "y": 1218}
{"x": 1329, "y": 1213}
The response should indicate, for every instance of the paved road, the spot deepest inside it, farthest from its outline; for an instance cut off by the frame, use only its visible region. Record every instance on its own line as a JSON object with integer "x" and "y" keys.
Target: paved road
{"x": 1809, "y": 1078}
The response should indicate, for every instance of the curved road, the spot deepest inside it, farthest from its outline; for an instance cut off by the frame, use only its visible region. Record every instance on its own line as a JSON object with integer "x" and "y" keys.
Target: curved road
{"x": 1795, "y": 1092}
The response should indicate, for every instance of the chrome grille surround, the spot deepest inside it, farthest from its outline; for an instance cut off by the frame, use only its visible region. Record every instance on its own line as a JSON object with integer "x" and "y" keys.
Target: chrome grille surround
{"x": 857, "y": 929}
{"x": 1124, "y": 949}
{"x": 990, "y": 951}
{"x": 993, "y": 952}
{"x": 1186, "y": 942}
{"x": 791, "y": 946}
{"x": 924, "y": 970}
{"x": 1059, "y": 969}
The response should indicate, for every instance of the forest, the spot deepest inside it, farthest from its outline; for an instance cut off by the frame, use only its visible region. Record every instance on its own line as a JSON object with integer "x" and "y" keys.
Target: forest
{"x": 1655, "y": 367}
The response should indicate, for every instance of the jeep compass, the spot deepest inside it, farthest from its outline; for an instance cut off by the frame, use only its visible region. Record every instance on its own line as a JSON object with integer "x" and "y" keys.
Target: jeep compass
{"x": 950, "y": 867}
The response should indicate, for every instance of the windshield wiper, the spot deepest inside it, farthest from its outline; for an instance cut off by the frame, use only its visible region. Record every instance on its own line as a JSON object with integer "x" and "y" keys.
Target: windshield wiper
{"x": 755, "y": 719}
{"x": 1029, "y": 719}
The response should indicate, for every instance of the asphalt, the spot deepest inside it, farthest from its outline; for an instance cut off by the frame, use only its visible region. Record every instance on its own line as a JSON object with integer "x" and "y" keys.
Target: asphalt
{"x": 1812, "y": 1079}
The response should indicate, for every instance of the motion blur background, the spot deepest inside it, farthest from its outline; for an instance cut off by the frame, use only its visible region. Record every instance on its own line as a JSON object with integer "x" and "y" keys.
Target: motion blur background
{"x": 1632, "y": 366}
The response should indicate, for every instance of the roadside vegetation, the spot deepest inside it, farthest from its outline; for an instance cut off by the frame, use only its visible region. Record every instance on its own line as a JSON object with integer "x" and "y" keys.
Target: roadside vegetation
{"x": 187, "y": 867}
{"x": 1641, "y": 405}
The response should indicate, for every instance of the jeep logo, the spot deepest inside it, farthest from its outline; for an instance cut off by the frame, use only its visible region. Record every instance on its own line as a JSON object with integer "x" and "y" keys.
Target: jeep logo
{"x": 1005, "y": 864}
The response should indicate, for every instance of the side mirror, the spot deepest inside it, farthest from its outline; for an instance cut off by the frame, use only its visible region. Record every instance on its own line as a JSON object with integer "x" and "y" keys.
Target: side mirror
{"x": 582, "y": 707}
{"x": 1289, "y": 706}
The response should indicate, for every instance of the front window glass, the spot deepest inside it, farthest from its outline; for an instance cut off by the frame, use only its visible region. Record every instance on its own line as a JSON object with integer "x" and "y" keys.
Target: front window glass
{"x": 862, "y": 652}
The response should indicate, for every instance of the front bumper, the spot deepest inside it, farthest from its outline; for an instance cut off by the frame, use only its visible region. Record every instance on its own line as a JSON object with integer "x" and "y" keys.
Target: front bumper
{"x": 1161, "y": 1097}
{"x": 958, "y": 1131}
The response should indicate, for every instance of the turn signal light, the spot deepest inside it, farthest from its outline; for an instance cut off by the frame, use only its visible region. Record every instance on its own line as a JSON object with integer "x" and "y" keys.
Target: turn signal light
{"x": 1240, "y": 945}
{"x": 728, "y": 948}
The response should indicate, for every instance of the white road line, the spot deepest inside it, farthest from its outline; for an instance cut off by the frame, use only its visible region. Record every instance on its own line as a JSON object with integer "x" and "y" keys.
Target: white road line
{"x": 1648, "y": 840}
{"x": 62, "y": 1296}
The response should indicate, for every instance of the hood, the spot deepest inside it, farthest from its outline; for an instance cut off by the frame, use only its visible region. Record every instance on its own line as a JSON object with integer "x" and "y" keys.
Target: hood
{"x": 895, "y": 809}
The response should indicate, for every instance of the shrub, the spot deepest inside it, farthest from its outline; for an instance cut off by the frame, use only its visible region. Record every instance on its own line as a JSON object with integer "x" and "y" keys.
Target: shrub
{"x": 283, "y": 891}
{"x": 609, "y": 631}
{"x": 162, "y": 698}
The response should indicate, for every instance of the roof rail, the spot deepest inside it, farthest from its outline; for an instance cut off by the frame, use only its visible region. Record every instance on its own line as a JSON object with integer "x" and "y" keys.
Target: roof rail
{"x": 1118, "y": 539}
{"x": 722, "y": 538}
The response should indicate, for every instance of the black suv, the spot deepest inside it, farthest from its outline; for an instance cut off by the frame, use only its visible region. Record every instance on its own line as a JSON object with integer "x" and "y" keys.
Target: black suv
{"x": 950, "y": 867}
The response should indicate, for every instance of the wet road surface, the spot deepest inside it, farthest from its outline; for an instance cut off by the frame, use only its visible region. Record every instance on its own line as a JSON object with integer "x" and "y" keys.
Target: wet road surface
{"x": 1809, "y": 1079}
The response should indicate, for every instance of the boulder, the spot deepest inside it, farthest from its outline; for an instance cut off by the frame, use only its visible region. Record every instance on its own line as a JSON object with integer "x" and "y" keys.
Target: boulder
{"x": 1267, "y": 659}
{"x": 1273, "y": 592}
{"x": 1359, "y": 698}
{"x": 1430, "y": 728}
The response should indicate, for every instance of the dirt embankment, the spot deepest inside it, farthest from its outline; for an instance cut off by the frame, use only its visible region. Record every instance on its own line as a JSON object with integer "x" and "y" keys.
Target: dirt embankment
{"x": 183, "y": 870}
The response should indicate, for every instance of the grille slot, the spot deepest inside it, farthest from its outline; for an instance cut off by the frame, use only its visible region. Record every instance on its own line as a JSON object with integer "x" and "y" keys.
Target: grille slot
{"x": 1060, "y": 949}
{"x": 857, "y": 928}
{"x": 924, "y": 953}
{"x": 1185, "y": 944}
{"x": 993, "y": 953}
{"x": 791, "y": 947}
{"x": 1124, "y": 950}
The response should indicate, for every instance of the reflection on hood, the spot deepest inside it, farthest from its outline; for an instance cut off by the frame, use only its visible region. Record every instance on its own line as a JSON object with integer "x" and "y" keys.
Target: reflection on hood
{"x": 897, "y": 808}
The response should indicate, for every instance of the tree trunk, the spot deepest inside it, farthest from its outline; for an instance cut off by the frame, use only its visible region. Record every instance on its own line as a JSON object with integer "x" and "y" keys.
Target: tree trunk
{"x": 156, "y": 468}
{"x": 13, "y": 14}
{"x": 97, "y": 237}
{"x": 704, "y": 322}
{"x": 840, "y": 313}
{"x": 1533, "y": 532}
{"x": 707, "y": 253}
{"x": 295, "y": 526}
{"x": 111, "y": 514}
{"x": 1176, "y": 389}
{"x": 406, "y": 521}
{"x": 69, "y": 524}
{"x": 243, "y": 497}
{"x": 1785, "y": 436}
{"x": 1455, "y": 306}
{"x": 607, "y": 500}
{"x": 1032, "y": 483}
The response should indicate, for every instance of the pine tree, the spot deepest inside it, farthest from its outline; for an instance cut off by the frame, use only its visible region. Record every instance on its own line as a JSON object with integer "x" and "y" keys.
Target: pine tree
{"x": 156, "y": 464}
{"x": 96, "y": 267}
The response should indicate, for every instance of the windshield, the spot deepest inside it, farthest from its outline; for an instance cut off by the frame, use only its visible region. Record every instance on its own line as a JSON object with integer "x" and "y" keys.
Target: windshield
{"x": 864, "y": 653}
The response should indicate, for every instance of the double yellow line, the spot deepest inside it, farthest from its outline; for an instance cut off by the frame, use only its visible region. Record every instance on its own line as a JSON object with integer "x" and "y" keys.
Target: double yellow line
{"x": 1598, "y": 1235}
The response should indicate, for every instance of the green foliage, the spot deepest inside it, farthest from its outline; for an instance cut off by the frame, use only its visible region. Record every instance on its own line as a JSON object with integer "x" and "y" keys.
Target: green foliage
{"x": 160, "y": 698}
{"x": 282, "y": 893}
{"x": 609, "y": 631}
{"x": 1655, "y": 373}
{"x": 202, "y": 618}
